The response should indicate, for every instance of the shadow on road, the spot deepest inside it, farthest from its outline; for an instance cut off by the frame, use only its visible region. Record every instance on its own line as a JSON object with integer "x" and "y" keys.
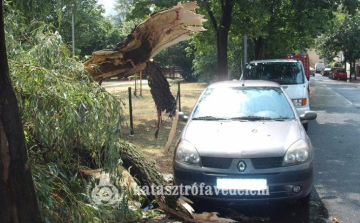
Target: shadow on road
{"x": 279, "y": 212}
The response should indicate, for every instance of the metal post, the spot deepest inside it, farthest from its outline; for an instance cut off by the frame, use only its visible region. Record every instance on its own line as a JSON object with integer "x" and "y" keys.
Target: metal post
{"x": 245, "y": 49}
{"x": 179, "y": 96}
{"x": 135, "y": 84}
{"x": 130, "y": 111}
{"x": 141, "y": 83}
{"x": 73, "y": 33}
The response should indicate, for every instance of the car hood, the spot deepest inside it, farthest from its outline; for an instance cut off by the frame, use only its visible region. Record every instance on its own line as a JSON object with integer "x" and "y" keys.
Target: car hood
{"x": 237, "y": 139}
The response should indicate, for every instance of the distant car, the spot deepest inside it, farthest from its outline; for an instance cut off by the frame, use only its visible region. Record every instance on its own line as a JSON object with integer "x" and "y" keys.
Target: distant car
{"x": 339, "y": 73}
{"x": 319, "y": 67}
{"x": 245, "y": 136}
{"x": 326, "y": 72}
{"x": 312, "y": 71}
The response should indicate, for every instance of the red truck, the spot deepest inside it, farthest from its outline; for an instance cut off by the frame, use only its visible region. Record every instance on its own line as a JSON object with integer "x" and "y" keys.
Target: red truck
{"x": 304, "y": 58}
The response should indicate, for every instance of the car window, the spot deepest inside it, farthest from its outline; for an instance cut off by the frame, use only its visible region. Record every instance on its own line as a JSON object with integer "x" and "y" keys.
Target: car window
{"x": 281, "y": 72}
{"x": 240, "y": 102}
{"x": 340, "y": 70}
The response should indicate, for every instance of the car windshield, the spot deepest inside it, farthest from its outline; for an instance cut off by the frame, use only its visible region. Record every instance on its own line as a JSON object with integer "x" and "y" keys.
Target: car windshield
{"x": 285, "y": 73}
{"x": 243, "y": 103}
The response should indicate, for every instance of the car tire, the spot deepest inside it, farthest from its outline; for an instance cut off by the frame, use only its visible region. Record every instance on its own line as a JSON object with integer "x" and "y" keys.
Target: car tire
{"x": 306, "y": 126}
{"x": 304, "y": 201}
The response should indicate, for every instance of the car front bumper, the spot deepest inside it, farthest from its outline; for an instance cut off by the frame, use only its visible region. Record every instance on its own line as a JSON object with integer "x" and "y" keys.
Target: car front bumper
{"x": 280, "y": 183}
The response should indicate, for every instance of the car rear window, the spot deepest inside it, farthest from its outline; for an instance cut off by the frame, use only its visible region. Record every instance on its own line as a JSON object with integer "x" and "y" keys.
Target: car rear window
{"x": 285, "y": 73}
{"x": 341, "y": 70}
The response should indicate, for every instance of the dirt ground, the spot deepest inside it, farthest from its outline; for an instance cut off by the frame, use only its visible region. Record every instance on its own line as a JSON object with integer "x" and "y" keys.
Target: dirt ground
{"x": 145, "y": 117}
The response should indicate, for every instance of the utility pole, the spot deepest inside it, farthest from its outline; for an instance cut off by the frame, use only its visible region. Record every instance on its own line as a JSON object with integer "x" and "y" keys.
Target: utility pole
{"x": 73, "y": 31}
{"x": 245, "y": 49}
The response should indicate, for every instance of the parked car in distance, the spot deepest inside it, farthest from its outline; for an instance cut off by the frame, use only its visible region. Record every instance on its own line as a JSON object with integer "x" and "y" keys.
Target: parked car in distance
{"x": 319, "y": 67}
{"x": 326, "y": 72}
{"x": 312, "y": 71}
{"x": 287, "y": 72}
{"x": 245, "y": 136}
{"x": 339, "y": 74}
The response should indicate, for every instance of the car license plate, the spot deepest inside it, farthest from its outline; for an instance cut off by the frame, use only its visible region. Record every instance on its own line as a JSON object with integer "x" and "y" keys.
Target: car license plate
{"x": 241, "y": 184}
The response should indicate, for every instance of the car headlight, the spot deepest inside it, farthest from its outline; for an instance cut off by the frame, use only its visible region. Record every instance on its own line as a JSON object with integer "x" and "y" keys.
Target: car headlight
{"x": 298, "y": 153}
{"x": 299, "y": 102}
{"x": 186, "y": 153}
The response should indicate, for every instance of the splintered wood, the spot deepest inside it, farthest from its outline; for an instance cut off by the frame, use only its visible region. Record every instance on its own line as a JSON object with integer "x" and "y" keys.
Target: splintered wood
{"x": 161, "y": 30}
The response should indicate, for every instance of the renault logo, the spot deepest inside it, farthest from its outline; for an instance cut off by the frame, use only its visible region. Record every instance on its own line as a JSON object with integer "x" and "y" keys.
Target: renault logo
{"x": 241, "y": 166}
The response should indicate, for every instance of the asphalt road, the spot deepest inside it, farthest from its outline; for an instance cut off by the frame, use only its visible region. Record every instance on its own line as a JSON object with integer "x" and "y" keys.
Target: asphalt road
{"x": 335, "y": 137}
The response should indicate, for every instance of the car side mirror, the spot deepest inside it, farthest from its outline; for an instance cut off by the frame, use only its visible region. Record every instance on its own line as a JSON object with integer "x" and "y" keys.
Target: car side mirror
{"x": 308, "y": 115}
{"x": 183, "y": 117}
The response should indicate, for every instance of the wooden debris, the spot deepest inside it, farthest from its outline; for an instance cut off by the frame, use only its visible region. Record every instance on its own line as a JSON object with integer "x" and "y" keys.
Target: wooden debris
{"x": 159, "y": 31}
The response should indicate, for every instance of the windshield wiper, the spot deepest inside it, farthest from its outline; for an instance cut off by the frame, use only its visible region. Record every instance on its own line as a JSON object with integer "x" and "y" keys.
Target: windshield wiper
{"x": 281, "y": 119}
{"x": 251, "y": 117}
{"x": 208, "y": 118}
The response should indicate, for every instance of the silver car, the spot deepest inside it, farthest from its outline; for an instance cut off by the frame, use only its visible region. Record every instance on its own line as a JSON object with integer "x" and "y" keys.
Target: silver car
{"x": 244, "y": 141}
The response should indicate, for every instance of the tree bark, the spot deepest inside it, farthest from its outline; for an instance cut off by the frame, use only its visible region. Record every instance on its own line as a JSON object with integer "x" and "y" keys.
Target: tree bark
{"x": 17, "y": 195}
{"x": 259, "y": 44}
{"x": 160, "y": 91}
{"x": 222, "y": 36}
{"x": 222, "y": 28}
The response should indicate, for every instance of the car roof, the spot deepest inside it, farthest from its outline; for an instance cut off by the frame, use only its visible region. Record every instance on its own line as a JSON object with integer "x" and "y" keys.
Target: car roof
{"x": 275, "y": 61}
{"x": 244, "y": 83}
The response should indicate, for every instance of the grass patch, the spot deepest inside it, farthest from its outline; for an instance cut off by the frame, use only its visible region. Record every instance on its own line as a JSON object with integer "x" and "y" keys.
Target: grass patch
{"x": 145, "y": 118}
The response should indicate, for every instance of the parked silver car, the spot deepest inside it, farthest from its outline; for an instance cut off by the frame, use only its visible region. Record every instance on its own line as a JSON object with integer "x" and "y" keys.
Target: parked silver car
{"x": 244, "y": 141}
{"x": 312, "y": 71}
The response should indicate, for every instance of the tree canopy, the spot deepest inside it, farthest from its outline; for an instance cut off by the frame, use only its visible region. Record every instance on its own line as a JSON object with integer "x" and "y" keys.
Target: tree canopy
{"x": 343, "y": 37}
{"x": 273, "y": 28}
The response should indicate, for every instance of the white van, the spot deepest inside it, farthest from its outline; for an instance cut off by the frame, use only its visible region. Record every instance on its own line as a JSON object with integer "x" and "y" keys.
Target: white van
{"x": 319, "y": 67}
{"x": 289, "y": 73}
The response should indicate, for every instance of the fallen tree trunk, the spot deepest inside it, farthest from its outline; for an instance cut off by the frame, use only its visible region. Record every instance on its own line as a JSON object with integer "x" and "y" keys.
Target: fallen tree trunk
{"x": 161, "y": 30}
{"x": 160, "y": 91}
{"x": 147, "y": 175}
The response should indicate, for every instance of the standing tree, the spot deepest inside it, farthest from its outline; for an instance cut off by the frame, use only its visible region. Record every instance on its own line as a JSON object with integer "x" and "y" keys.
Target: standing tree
{"x": 17, "y": 196}
{"x": 279, "y": 27}
{"x": 221, "y": 22}
{"x": 343, "y": 37}
{"x": 220, "y": 14}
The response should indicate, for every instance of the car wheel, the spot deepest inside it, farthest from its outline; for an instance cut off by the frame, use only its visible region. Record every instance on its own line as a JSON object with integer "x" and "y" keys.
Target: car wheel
{"x": 306, "y": 126}
{"x": 304, "y": 201}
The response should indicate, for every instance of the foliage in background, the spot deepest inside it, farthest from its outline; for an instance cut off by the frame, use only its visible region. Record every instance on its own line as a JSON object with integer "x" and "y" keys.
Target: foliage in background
{"x": 274, "y": 28}
{"x": 92, "y": 30}
{"x": 177, "y": 56}
{"x": 70, "y": 122}
{"x": 342, "y": 37}
{"x": 122, "y": 9}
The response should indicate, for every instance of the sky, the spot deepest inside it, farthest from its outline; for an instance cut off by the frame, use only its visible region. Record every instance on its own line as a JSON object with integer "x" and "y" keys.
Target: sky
{"x": 108, "y": 5}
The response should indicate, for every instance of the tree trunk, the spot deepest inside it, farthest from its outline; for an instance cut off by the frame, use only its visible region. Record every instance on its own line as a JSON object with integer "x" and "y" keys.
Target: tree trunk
{"x": 160, "y": 91}
{"x": 259, "y": 43}
{"x": 352, "y": 69}
{"x": 17, "y": 195}
{"x": 222, "y": 28}
{"x": 222, "y": 40}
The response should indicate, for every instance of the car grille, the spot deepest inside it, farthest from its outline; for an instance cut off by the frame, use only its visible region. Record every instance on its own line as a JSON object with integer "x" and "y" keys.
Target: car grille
{"x": 215, "y": 162}
{"x": 258, "y": 163}
{"x": 265, "y": 163}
